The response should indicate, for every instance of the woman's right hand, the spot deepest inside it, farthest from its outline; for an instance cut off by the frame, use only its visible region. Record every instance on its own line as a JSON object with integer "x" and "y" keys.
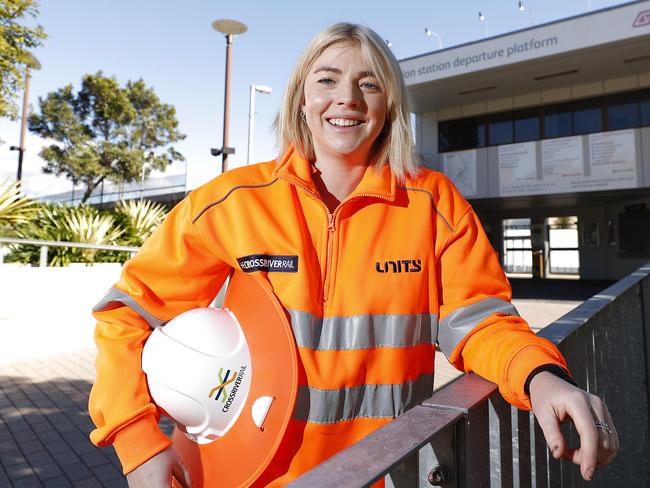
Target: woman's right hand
{"x": 157, "y": 472}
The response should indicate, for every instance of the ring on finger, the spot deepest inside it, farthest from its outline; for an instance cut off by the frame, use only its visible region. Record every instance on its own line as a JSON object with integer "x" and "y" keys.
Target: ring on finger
{"x": 602, "y": 425}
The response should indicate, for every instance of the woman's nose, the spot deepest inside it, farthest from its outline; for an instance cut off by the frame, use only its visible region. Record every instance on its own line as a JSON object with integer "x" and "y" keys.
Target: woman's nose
{"x": 348, "y": 94}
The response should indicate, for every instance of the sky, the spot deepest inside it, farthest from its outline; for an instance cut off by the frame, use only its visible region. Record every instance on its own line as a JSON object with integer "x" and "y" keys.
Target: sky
{"x": 173, "y": 48}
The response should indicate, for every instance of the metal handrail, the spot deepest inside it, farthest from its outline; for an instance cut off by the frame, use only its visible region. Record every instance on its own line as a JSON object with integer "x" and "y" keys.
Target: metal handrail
{"x": 44, "y": 245}
{"x": 465, "y": 435}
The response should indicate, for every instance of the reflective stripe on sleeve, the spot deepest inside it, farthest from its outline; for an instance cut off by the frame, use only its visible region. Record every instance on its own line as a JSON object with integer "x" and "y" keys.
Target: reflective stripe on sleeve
{"x": 115, "y": 295}
{"x": 363, "y": 331}
{"x": 364, "y": 401}
{"x": 455, "y": 326}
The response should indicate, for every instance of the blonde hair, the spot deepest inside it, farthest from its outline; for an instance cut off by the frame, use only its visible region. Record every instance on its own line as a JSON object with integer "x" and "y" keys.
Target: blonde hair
{"x": 394, "y": 145}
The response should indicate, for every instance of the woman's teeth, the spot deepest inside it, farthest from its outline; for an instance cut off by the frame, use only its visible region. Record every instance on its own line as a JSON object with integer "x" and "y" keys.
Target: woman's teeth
{"x": 344, "y": 122}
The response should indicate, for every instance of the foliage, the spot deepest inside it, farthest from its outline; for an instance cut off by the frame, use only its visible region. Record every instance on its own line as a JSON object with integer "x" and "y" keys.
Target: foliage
{"x": 105, "y": 131}
{"x": 139, "y": 218}
{"x": 14, "y": 209}
{"x": 55, "y": 222}
{"x": 16, "y": 39}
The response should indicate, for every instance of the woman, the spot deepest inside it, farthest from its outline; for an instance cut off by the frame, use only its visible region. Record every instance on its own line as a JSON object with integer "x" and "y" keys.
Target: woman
{"x": 390, "y": 260}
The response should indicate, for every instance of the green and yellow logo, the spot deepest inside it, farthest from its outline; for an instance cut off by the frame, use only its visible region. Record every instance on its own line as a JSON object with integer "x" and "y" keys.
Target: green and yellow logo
{"x": 224, "y": 381}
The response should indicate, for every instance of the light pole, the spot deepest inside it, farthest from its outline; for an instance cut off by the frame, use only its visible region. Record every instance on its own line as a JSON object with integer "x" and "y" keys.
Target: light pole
{"x": 30, "y": 64}
{"x": 229, "y": 28}
{"x": 251, "y": 117}
{"x": 429, "y": 32}
{"x": 390, "y": 45}
{"x": 481, "y": 17}
{"x": 522, "y": 7}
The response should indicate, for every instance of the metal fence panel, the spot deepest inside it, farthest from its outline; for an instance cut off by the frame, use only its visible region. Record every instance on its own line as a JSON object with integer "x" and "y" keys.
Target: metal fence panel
{"x": 468, "y": 427}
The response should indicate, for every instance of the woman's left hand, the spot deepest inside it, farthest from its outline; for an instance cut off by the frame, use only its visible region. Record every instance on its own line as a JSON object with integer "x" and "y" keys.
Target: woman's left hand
{"x": 553, "y": 400}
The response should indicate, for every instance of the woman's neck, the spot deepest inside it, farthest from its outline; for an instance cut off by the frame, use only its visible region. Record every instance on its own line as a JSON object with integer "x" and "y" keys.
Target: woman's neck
{"x": 335, "y": 179}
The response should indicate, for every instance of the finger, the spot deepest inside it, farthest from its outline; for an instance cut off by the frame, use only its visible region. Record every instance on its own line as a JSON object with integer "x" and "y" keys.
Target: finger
{"x": 583, "y": 419}
{"x": 615, "y": 446}
{"x": 610, "y": 421}
{"x": 605, "y": 439}
{"x": 550, "y": 426}
{"x": 181, "y": 474}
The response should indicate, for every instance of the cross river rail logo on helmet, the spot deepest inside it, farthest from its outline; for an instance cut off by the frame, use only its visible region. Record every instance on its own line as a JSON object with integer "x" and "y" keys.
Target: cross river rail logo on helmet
{"x": 225, "y": 381}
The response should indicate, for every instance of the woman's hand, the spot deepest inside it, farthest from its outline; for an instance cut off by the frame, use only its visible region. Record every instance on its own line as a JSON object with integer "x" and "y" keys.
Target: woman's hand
{"x": 157, "y": 472}
{"x": 553, "y": 400}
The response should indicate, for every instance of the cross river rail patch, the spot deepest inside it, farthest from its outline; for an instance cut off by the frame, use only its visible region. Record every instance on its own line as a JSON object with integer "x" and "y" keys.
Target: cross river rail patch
{"x": 268, "y": 263}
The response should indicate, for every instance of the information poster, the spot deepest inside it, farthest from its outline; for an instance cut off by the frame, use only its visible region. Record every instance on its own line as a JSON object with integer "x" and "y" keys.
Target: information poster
{"x": 518, "y": 170}
{"x": 460, "y": 167}
{"x": 562, "y": 158}
{"x": 611, "y": 165}
{"x": 612, "y": 157}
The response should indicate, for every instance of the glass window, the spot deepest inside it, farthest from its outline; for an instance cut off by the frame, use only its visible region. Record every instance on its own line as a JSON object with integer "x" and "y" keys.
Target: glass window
{"x": 444, "y": 137}
{"x": 473, "y": 133}
{"x": 587, "y": 116}
{"x": 644, "y": 106}
{"x": 557, "y": 121}
{"x": 501, "y": 129}
{"x": 526, "y": 126}
{"x": 623, "y": 111}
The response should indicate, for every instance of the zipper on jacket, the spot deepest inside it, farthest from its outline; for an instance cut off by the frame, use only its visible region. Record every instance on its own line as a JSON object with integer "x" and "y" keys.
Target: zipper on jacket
{"x": 331, "y": 230}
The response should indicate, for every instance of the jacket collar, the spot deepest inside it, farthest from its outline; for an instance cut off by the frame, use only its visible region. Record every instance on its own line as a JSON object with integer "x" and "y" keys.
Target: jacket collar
{"x": 297, "y": 170}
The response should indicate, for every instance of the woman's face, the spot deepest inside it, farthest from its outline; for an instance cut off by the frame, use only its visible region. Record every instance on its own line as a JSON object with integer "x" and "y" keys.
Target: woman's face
{"x": 344, "y": 105}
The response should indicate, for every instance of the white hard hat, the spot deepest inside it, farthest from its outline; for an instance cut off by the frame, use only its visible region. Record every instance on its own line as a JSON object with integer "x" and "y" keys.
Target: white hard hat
{"x": 228, "y": 378}
{"x": 199, "y": 372}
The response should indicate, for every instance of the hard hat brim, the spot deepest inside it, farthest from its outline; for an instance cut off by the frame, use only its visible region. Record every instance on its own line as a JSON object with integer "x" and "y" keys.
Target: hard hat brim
{"x": 238, "y": 458}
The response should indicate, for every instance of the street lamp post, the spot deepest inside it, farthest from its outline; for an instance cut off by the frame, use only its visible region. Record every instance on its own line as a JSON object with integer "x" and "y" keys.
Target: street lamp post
{"x": 229, "y": 28}
{"x": 481, "y": 17}
{"x": 251, "y": 117}
{"x": 522, "y": 6}
{"x": 31, "y": 64}
{"x": 390, "y": 45}
{"x": 429, "y": 32}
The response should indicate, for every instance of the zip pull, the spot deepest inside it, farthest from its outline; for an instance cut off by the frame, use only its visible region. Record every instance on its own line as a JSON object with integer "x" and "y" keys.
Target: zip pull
{"x": 330, "y": 224}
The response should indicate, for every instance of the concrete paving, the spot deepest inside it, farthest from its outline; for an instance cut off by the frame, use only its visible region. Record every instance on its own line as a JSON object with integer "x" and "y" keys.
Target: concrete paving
{"x": 44, "y": 424}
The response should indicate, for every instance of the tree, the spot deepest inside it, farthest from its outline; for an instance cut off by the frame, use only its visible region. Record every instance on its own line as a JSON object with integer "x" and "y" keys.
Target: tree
{"x": 105, "y": 132}
{"x": 16, "y": 40}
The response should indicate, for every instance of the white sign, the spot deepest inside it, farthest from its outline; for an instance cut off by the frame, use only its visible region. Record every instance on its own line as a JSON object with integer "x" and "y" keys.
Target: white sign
{"x": 612, "y": 165}
{"x": 585, "y": 31}
{"x": 460, "y": 167}
{"x": 518, "y": 170}
{"x": 562, "y": 162}
{"x": 612, "y": 156}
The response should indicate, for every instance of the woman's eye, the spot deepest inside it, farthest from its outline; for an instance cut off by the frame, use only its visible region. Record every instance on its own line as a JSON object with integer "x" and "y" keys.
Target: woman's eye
{"x": 326, "y": 81}
{"x": 369, "y": 85}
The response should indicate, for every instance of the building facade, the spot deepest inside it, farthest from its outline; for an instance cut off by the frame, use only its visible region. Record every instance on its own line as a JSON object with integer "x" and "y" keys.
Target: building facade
{"x": 546, "y": 131}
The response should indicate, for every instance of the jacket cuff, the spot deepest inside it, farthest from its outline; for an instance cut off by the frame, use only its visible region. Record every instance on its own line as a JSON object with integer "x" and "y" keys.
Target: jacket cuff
{"x": 551, "y": 368}
{"x": 138, "y": 442}
{"x": 525, "y": 361}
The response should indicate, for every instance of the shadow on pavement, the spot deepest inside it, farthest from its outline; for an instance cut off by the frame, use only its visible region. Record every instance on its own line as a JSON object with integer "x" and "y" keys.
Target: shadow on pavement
{"x": 44, "y": 427}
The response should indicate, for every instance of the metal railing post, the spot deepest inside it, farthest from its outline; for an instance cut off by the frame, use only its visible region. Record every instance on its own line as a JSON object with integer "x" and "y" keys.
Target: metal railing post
{"x": 43, "y": 257}
{"x": 644, "y": 295}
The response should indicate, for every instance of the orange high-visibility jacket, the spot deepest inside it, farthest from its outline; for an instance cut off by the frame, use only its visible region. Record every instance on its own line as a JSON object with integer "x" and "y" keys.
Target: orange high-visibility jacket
{"x": 371, "y": 289}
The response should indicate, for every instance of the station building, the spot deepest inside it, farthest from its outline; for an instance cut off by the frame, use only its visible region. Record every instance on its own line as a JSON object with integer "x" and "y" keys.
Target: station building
{"x": 546, "y": 131}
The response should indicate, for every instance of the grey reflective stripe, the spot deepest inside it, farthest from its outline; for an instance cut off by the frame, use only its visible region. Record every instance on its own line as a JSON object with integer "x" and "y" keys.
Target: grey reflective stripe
{"x": 363, "y": 331}
{"x": 115, "y": 295}
{"x": 455, "y": 326}
{"x": 365, "y": 401}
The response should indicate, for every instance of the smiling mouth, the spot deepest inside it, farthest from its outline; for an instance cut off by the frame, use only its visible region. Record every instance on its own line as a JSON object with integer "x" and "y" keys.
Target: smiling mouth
{"x": 344, "y": 122}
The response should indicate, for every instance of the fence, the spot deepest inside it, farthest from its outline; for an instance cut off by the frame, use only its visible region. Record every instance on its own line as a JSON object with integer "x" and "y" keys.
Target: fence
{"x": 45, "y": 245}
{"x": 465, "y": 435}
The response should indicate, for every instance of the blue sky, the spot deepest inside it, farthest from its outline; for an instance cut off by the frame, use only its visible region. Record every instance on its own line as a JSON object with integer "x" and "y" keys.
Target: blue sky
{"x": 172, "y": 47}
